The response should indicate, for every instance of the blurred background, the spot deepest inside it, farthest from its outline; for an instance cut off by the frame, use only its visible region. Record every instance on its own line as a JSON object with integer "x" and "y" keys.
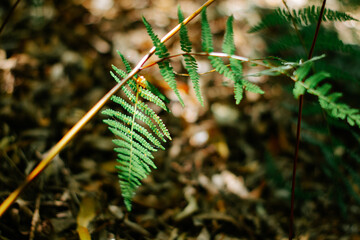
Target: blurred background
{"x": 227, "y": 172}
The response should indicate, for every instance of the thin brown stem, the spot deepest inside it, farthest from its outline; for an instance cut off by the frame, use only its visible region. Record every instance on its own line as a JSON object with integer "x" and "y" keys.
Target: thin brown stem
{"x": 6, "y": 20}
{"x": 89, "y": 115}
{"x": 298, "y": 130}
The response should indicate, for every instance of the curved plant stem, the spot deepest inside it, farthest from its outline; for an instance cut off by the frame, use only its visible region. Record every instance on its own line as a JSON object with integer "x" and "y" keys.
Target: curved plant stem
{"x": 6, "y": 20}
{"x": 298, "y": 130}
{"x": 206, "y": 54}
{"x": 81, "y": 123}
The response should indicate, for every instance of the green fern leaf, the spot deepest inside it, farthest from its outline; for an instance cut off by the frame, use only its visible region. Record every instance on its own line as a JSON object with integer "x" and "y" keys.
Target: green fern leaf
{"x": 238, "y": 92}
{"x": 148, "y": 95}
{"x": 314, "y": 80}
{"x": 136, "y": 141}
{"x": 157, "y": 92}
{"x": 161, "y": 50}
{"x": 298, "y": 90}
{"x": 139, "y": 115}
{"x": 303, "y": 71}
{"x": 126, "y": 63}
{"x": 275, "y": 18}
{"x": 237, "y": 69}
{"x": 185, "y": 43}
{"x": 206, "y": 36}
{"x": 328, "y": 102}
{"x": 251, "y": 87}
{"x": 129, "y": 121}
{"x": 302, "y": 17}
{"x": 228, "y": 46}
{"x": 146, "y": 110}
{"x": 190, "y": 62}
{"x": 120, "y": 72}
{"x": 166, "y": 70}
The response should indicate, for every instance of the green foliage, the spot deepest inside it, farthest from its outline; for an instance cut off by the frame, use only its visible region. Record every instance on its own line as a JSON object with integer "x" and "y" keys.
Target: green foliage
{"x": 302, "y": 17}
{"x": 235, "y": 71}
{"x": 166, "y": 69}
{"x": 136, "y": 142}
{"x": 328, "y": 102}
{"x": 140, "y": 129}
{"x": 190, "y": 62}
{"x": 228, "y": 46}
{"x": 206, "y": 36}
{"x": 334, "y": 165}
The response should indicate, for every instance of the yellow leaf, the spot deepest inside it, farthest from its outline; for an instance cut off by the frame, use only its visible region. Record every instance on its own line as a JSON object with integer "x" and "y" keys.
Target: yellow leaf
{"x": 86, "y": 214}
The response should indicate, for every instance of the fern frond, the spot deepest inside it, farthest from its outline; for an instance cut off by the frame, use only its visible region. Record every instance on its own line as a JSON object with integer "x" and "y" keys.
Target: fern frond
{"x": 165, "y": 67}
{"x": 326, "y": 41}
{"x": 156, "y": 91}
{"x": 139, "y": 153}
{"x": 136, "y": 142}
{"x": 124, "y": 132}
{"x": 125, "y": 61}
{"x": 302, "y": 17}
{"x": 129, "y": 121}
{"x": 328, "y": 102}
{"x": 148, "y": 95}
{"x": 206, "y": 36}
{"x": 228, "y": 46}
{"x": 139, "y": 115}
{"x": 235, "y": 71}
{"x": 120, "y": 72}
{"x": 251, "y": 87}
{"x": 236, "y": 67}
{"x": 161, "y": 50}
{"x": 185, "y": 43}
{"x": 146, "y": 110}
{"x": 190, "y": 62}
{"x": 167, "y": 73}
{"x": 303, "y": 71}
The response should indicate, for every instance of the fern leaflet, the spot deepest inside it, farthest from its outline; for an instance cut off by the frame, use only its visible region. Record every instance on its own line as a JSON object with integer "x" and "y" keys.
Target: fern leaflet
{"x": 166, "y": 69}
{"x": 190, "y": 62}
{"x": 206, "y": 36}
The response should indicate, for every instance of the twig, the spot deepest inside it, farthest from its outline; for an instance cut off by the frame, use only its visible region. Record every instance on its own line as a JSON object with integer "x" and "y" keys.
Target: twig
{"x": 36, "y": 217}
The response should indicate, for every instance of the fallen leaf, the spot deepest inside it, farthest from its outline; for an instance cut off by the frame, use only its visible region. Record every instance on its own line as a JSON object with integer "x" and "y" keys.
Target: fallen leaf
{"x": 86, "y": 214}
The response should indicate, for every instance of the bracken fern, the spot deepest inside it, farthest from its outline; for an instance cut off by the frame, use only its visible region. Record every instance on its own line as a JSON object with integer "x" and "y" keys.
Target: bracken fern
{"x": 302, "y": 17}
{"x": 137, "y": 141}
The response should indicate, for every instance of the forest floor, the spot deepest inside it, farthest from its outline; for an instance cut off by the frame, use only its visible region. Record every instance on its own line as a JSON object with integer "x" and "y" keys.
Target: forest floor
{"x": 225, "y": 175}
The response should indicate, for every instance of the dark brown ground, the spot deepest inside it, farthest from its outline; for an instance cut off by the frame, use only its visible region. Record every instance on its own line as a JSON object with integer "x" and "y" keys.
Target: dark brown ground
{"x": 225, "y": 175}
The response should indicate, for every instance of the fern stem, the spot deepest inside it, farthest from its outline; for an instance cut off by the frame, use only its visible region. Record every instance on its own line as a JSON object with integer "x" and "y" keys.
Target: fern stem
{"x": 298, "y": 130}
{"x": 206, "y": 54}
{"x": 81, "y": 123}
{"x": 132, "y": 130}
